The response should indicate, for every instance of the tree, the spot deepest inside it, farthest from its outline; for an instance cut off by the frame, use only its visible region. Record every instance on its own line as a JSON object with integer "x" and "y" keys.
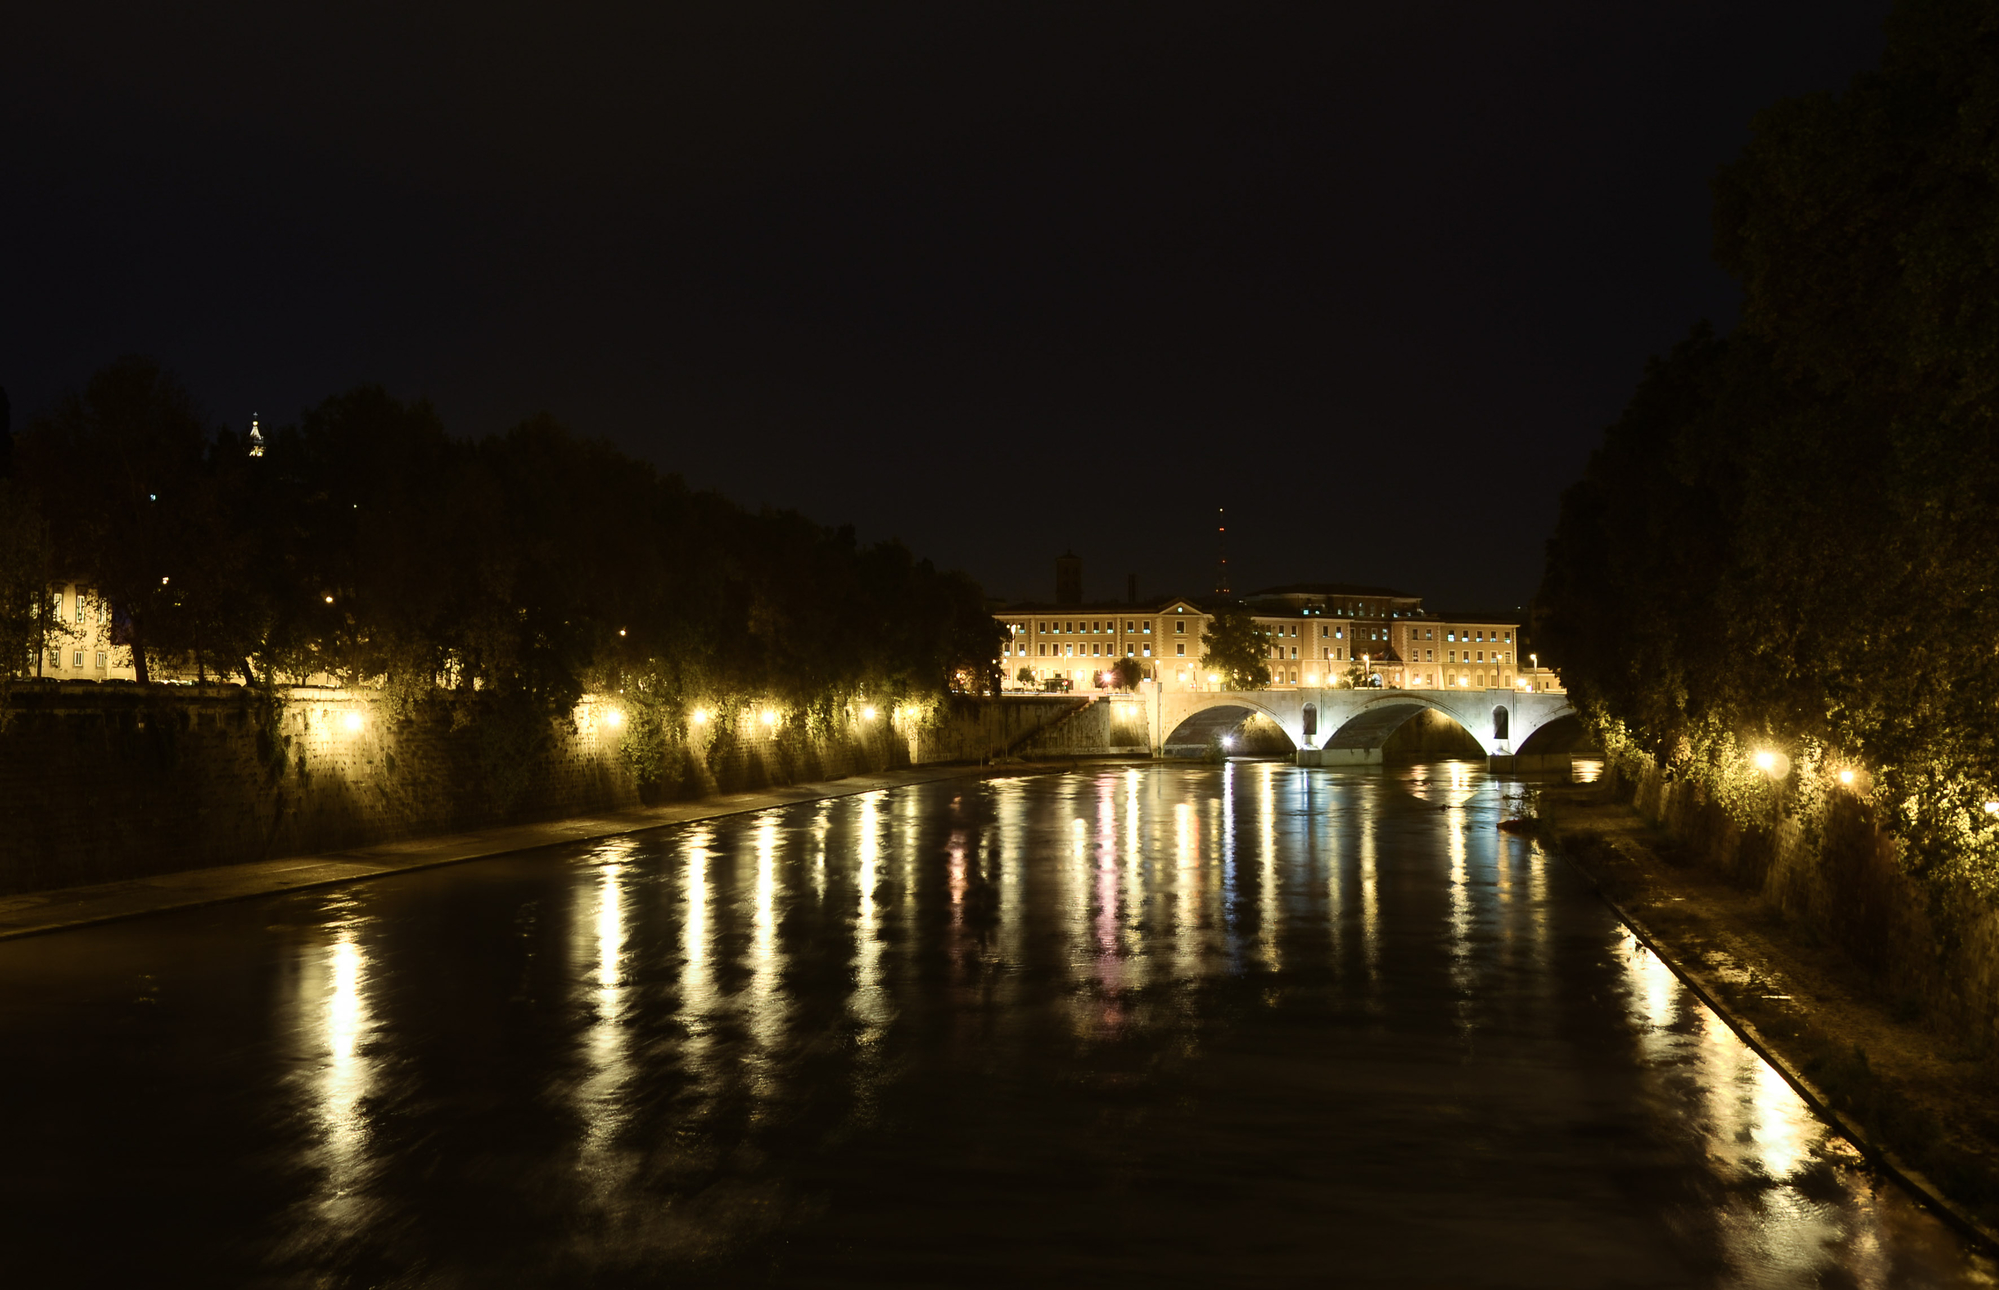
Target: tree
{"x": 1792, "y": 533}
{"x": 1025, "y": 675}
{"x": 125, "y": 456}
{"x": 1128, "y": 673}
{"x": 26, "y": 573}
{"x": 1236, "y": 650}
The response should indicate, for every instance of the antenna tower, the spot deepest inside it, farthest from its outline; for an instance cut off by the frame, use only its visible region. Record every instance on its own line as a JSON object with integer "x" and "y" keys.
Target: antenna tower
{"x": 1222, "y": 552}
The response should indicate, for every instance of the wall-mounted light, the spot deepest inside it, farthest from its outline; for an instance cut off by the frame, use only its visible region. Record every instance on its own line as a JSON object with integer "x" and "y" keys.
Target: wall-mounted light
{"x": 770, "y": 716}
{"x": 868, "y": 713}
{"x": 1764, "y": 761}
{"x": 354, "y": 722}
{"x": 700, "y": 716}
{"x": 614, "y": 717}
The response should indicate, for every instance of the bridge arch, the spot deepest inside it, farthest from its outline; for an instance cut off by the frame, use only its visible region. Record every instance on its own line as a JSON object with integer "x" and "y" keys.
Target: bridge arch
{"x": 1208, "y": 722}
{"x": 1369, "y": 727}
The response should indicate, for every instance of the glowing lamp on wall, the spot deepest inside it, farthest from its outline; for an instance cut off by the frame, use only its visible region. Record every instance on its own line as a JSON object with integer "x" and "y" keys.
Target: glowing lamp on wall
{"x": 868, "y": 713}
{"x": 770, "y": 716}
{"x": 1764, "y": 761}
{"x": 700, "y": 716}
{"x": 1846, "y": 777}
{"x": 354, "y": 722}
{"x": 614, "y": 717}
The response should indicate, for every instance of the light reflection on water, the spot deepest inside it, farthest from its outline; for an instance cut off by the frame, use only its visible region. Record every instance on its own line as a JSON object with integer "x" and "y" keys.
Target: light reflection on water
{"x": 1336, "y": 1014}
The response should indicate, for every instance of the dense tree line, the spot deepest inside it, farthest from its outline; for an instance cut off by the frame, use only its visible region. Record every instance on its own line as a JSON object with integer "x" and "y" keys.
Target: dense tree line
{"x": 1790, "y": 539}
{"x": 369, "y": 546}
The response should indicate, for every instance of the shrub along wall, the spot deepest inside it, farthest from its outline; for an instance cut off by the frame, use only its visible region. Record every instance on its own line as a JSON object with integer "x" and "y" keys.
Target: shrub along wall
{"x": 102, "y": 782}
{"x": 1932, "y": 944}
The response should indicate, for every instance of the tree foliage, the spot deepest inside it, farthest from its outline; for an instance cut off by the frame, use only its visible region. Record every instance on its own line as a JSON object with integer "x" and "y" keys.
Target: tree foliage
{"x": 1791, "y": 536}
{"x": 369, "y": 545}
{"x": 1236, "y": 650}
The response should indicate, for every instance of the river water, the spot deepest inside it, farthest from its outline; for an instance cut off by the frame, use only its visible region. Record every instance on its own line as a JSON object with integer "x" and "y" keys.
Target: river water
{"x": 1172, "y": 1025}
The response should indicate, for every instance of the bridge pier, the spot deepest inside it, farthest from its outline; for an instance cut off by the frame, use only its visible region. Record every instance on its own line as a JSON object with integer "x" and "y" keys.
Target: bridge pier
{"x": 1339, "y": 756}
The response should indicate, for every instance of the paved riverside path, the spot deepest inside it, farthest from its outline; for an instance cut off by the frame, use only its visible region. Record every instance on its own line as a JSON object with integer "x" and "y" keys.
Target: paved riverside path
{"x": 34, "y": 912}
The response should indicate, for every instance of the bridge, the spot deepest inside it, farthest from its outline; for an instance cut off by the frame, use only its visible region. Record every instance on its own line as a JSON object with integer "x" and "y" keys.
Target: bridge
{"x": 1348, "y": 727}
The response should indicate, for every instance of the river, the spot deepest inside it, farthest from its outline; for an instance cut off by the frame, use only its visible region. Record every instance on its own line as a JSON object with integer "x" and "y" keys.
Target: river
{"x": 1170, "y": 1025}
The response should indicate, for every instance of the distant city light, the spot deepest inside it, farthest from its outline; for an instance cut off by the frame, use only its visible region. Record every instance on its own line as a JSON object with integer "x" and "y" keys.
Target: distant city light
{"x": 329, "y": 600}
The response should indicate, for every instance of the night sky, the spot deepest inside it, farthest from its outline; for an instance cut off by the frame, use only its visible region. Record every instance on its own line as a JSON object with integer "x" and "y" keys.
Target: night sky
{"x": 996, "y": 279}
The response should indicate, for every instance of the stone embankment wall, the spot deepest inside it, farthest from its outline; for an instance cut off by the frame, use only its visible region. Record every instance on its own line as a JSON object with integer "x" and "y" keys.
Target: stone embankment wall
{"x": 106, "y": 781}
{"x": 1934, "y": 950}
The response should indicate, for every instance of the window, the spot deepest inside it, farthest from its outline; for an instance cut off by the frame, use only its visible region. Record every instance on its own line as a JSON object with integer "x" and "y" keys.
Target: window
{"x": 1068, "y": 651}
{"x": 100, "y": 660}
{"x": 55, "y": 658}
{"x": 1127, "y": 625}
{"x": 1179, "y": 649}
{"x": 79, "y": 658}
{"x": 1096, "y": 627}
{"x": 1325, "y": 630}
{"x": 1453, "y": 656}
{"x": 1450, "y": 636}
{"x": 1148, "y": 626}
{"x": 79, "y": 615}
{"x": 1180, "y": 628}
{"x": 1148, "y": 649}
{"x": 1294, "y": 654}
{"x": 1429, "y": 656}
{"x": 1325, "y": 652}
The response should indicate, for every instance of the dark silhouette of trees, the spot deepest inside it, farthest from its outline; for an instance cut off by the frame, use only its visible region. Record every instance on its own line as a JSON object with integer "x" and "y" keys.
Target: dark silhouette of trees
{"x": 1791, "y": 536}
{"x": 368, "y": 545}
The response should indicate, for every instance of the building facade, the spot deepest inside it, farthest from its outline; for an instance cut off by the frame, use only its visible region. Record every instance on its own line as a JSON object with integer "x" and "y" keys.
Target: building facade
{"x": 78, "y": 644}
{"x": 1317, "y": 635}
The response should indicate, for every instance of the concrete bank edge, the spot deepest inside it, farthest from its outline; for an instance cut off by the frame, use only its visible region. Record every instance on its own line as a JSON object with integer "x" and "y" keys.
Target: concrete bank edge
{"x": 254, "y": 885}
{"x": 1876, "y": 1154}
